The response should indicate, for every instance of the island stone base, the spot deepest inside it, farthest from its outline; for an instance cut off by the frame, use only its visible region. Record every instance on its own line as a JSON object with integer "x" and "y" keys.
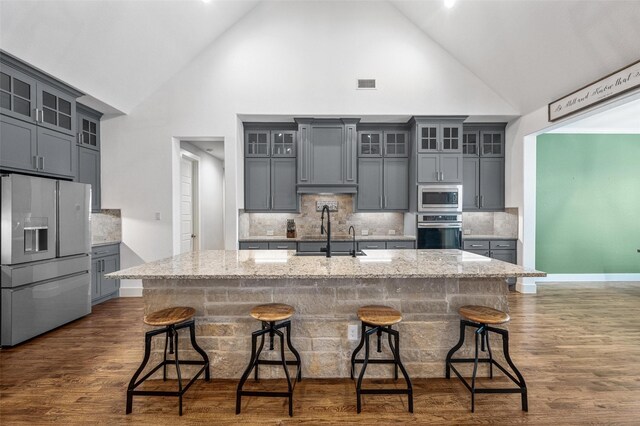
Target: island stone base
{"x": 324, "y": 309}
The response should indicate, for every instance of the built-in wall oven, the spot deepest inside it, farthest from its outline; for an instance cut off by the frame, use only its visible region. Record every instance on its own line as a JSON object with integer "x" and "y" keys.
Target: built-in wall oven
{"x": 440, "y": 198}
{"x": 439, "y": 231}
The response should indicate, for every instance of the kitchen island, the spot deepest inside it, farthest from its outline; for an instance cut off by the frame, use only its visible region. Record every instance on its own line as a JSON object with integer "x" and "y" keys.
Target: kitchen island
{"x": 427, "y": 286}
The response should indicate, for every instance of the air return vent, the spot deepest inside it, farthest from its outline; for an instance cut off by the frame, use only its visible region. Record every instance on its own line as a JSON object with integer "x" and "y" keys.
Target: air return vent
{"x": 367, "y": 83}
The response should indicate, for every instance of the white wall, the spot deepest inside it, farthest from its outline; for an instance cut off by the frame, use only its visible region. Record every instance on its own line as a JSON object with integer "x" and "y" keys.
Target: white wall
{"x": 300, "y": 58}
{"x": 210, "y": 194}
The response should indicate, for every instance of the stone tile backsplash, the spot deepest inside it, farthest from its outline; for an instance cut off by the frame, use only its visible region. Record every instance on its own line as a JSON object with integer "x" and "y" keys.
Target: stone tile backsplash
{"x": 106, "y": 227}
{"x": 308, "y": 220}
{"x": 503, "y": 224}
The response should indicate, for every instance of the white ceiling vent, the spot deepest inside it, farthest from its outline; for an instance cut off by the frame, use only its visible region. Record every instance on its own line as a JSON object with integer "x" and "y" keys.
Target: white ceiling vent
{"x": 366, "y": 83}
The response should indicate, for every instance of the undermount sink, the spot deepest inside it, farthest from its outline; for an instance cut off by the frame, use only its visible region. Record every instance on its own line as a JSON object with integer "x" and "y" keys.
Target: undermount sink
{"x": 322, "y": 253}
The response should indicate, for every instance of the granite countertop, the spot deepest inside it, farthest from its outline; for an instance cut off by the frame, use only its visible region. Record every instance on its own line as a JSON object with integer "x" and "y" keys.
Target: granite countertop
{"x": 338, "y": 237}
{"x": 278, "y": 264}
{"x": 487, "y": 237}
{"x": 105, "y": 243}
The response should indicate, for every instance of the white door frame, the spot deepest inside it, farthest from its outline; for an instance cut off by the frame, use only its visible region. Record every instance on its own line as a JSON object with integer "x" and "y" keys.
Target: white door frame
{"x": 195, "y": 189}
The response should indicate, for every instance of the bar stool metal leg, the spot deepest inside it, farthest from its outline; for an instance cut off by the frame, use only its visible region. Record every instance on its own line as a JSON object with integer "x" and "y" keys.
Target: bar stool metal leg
{"x": 132, "y": 382}
{"x": 293, "y": 351}
{"x": 365, "y": 335}
{"x": 256, "y": 376}
{"x": 396, "y": 354}
{"x": 358, "y": 348}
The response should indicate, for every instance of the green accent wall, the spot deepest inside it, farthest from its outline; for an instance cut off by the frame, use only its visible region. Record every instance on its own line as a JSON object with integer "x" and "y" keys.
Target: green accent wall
{"x": 588, "y": 203}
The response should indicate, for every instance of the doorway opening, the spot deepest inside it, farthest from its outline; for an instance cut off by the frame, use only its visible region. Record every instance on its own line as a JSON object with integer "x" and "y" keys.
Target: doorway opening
{"x": 198, "y": 194}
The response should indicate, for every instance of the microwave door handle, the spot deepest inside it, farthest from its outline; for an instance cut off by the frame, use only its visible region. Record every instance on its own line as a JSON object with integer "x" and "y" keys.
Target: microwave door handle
{"x": 439, "y": 225}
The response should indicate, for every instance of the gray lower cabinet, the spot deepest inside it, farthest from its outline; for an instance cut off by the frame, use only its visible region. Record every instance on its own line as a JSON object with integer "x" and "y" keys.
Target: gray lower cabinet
{"x": 318, "y": 246}
{"x": 504, "y": 250}
{"x": 483, "y": 184}
{"x": 254, "y": 245}
{"x": 371, "y": 245}
{"x": 439, "y": 168}
{"x": 89, "y": 172}
{"x": 282, "y": 245}
{"x": 268, "y": 245}
{"x": 397, "y": 245}
{"x": 383, "y": 184}
{"x": 104, "y": 260}
{"x": 35, "y": 149}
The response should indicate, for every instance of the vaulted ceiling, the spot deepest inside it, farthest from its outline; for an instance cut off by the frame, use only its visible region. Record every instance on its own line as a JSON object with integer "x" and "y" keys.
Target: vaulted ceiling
{"x": 529, "y": 52}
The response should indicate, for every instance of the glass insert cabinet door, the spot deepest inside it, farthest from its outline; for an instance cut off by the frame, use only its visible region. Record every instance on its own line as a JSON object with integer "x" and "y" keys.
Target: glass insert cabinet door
{"x": 17, "y": 94}
{"x": 57, "y": 110}
{"x": 88, "y": 131}
{"x": 283, "y": 143}
{"x": 470, "y": 143}
{"x": 428, "y": 138}
{"x": 492, "y": 143}
{"x": 369, "y": 144}
{"x": 451, "y": 138}
{"x": 396, "y": 144}
{"x": 257, "y": 143}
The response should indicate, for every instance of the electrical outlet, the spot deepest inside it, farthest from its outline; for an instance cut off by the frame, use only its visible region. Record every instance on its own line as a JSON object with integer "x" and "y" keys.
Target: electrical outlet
{"x": 157, "y": 216}
{"x": 467, "y": 232}
{"x": 269, "y": 232}
{"x": 392, "y": 232}
{"x": 352, "y": 332}
{"x": 365, "y": 232}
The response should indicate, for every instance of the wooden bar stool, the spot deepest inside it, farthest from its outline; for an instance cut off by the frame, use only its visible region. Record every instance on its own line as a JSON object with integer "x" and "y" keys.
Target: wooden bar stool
{"x": 269, "y": 315}
{"x": 172, "y": 320}
{"x": 379, "y": 319}
{"x": 482, "y": 318}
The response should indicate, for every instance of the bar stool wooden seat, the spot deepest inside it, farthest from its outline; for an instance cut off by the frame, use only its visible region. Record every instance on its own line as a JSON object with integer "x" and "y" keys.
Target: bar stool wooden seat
{"x": 171, "y": 319}
{"x": 378, "y": 319}
{"x": 482, "y": 318}
{"x": 269, "y": 314}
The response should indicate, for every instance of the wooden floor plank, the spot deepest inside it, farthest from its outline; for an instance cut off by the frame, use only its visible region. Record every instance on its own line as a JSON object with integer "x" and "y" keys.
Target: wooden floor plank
{"x": 578, "y": 347}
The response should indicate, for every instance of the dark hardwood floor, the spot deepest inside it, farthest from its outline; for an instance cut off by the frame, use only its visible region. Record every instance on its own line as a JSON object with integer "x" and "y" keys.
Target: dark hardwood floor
{"x": 578, "y": 347}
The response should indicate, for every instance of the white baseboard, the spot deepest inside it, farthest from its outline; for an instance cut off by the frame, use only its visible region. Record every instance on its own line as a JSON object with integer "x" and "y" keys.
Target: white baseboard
{"x": 588, "y": 277}
{"x": 526, "y": 288}
{"x": 130, "y": 292}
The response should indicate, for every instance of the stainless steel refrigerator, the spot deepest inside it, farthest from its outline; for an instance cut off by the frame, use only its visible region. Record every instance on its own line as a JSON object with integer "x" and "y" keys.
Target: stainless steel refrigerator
{"x": 45, "y": 255}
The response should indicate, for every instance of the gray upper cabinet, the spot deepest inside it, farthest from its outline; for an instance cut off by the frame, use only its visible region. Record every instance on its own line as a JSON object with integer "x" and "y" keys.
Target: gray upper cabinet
{"x": 270, "y": 171}
{"x": 396, "y": 144}
{"x": 89, "y": 172}
{"x": 38, "y": 121}
{"x": 370, "y": 188}
{"x": 471, "y": 184}
{"x": 89, "y": 152}
{"x": 396, "y": 184}
{"x": 491, "y": 184}
{"x": 257, "y": 184}
{"x": 27, "y": 147}
{"x": 439, "y": 168}
{"x": 483, "y": 150}
{"x": 17, "y": 94}
{"x": 370, "y": 144}
{"x": 18, "y": 144}
{"x": 439, "y": 136}
{"x": 283, "y": 184}
{"x": 327, "y": 159}
{"x": 57, "y": 153}
{"x": 327, "y": 154}
{"x": 383, "y": 184}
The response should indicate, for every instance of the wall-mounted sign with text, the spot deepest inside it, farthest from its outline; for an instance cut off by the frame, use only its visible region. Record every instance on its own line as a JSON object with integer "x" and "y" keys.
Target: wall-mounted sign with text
{"x": 616, "y": 83}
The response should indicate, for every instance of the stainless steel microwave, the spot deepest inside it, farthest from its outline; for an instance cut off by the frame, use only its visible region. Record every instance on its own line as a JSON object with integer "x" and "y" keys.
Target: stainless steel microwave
{"x": 440, "y": 198}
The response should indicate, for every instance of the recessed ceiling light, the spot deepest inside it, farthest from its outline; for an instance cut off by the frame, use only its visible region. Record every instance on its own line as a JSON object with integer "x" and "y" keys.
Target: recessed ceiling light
{"x": 447, "y": 3}
{"x": 206, "y": 1}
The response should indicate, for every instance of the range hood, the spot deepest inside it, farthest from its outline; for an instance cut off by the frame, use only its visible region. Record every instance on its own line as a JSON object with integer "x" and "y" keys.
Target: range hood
{"x": 327, "y": 189}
